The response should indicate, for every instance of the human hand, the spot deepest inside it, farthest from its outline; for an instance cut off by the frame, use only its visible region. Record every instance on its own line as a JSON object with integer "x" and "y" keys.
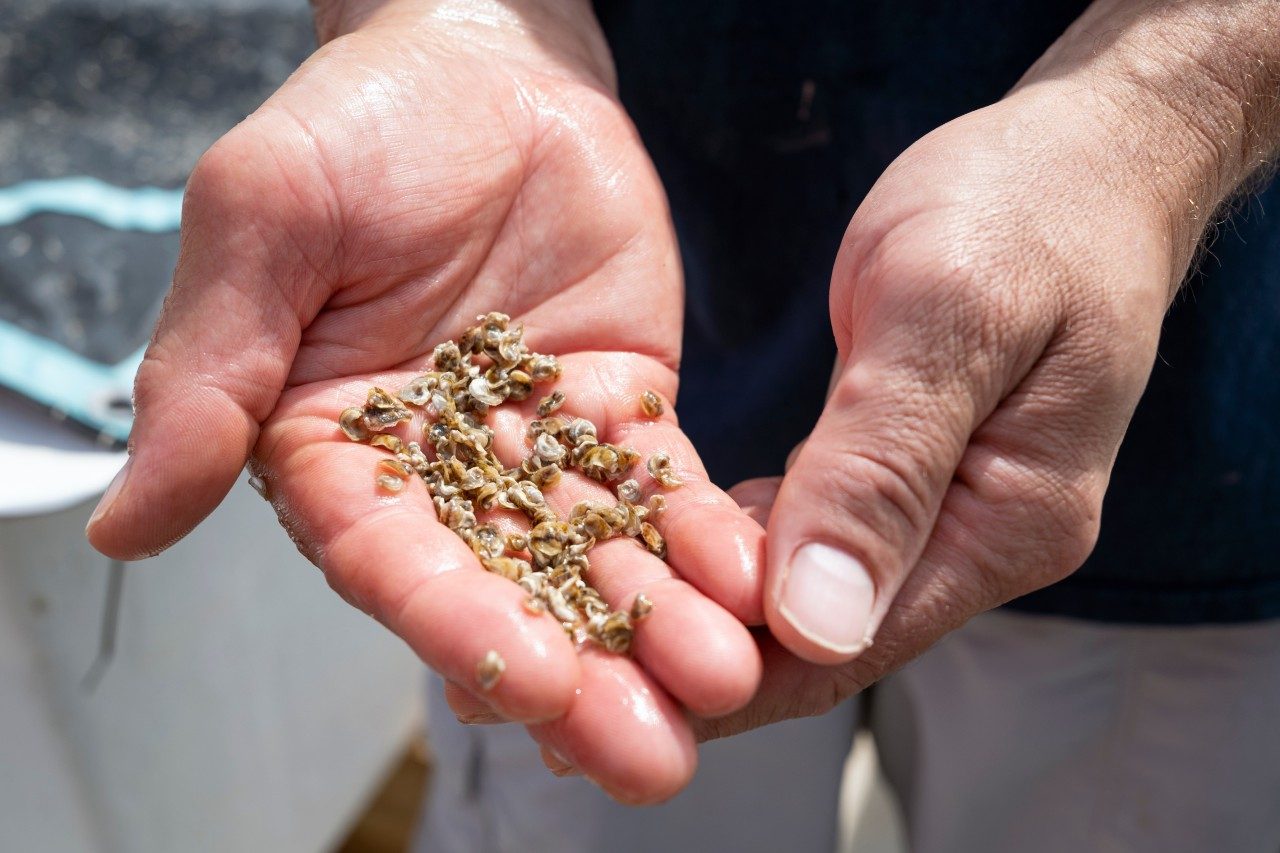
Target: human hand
{"x": 997, "y": 303}
{"x": 436, "y": 162}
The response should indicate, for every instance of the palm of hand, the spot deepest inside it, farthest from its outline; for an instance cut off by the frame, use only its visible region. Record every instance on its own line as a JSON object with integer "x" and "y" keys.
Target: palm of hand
{"x": 378, "y": 203}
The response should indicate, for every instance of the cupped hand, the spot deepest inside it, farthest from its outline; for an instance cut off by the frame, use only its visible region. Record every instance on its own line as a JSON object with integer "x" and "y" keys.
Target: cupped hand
{"x": 432, "y": 165}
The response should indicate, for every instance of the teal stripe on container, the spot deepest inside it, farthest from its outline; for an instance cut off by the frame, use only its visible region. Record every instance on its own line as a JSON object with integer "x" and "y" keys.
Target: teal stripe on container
{"x": 62, "y": 380}
{"x": 149, "y": 209}
{"x": 45, "y": 371}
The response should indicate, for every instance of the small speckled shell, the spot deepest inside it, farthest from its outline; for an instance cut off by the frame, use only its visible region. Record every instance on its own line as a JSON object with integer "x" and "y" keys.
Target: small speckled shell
{"x": 651, "y": 405}
{"x": 489, "y": 671}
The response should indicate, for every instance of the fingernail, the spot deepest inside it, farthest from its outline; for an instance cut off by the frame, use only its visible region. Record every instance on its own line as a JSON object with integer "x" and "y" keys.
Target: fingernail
{"x": 827, "y": 597}
{"x": 109, "y": 496}
{"x": 557, "y": 763}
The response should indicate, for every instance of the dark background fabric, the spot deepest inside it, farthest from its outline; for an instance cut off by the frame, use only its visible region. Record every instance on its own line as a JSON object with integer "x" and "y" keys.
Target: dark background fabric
{"x": 769, "y": 122}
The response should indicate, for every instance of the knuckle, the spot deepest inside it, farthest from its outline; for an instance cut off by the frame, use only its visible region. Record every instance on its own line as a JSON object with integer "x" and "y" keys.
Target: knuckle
{"x": 898, "y": 281}
{"x": 976, "y": 268}
{"x": 889, "y": 490}
{"x": 256, "y": 201}
{"x": 152, "y": 379}
{"x": 953, "y": 317}
{"x": 222, "y": 171}
{"x": 1080, "y": 508}
{"x": 1026, "y": 523}
{"x": 253, "y": 175}
{"x": 1066, "y": 517}
{"x": 225, "y": 206}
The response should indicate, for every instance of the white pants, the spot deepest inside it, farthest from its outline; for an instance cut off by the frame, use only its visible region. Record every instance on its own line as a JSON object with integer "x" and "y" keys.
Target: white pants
{"x": 774, "y": 789}
{"x": 1029, "y": 733}
{"x": 1015, "y": 733}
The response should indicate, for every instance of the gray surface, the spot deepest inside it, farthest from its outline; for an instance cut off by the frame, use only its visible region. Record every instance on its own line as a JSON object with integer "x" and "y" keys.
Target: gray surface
{"x": 92, "y": 289}
{"x": 130, "y": 93}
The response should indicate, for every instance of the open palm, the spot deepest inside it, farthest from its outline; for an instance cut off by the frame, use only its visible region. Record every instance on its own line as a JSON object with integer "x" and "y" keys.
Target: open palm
{"x": 388, "y": 194}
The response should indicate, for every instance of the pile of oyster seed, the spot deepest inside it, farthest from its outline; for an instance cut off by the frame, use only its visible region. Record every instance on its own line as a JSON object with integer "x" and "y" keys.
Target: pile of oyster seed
{"x": 464, "y": 476}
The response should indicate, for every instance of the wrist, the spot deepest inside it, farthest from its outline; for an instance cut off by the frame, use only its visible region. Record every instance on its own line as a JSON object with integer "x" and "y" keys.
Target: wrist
{"x": 552, "y": 36}
{"x": 1180, "y": 101}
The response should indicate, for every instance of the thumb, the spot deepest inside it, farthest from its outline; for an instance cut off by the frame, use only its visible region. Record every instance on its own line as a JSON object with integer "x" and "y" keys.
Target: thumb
{"x": 219, "y": 357}
{"x": 857, "y": 506}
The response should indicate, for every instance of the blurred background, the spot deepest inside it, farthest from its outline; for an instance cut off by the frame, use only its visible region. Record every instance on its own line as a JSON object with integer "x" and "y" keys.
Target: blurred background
{"x": 220, "y": 696}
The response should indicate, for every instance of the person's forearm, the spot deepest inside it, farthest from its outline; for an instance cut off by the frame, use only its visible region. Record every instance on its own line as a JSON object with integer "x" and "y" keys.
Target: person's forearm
{"x": 1187, "y": 93}
{"x": 562, "y": 31}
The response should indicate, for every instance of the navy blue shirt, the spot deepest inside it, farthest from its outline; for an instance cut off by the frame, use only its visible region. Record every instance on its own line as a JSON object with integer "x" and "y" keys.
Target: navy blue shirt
{"x": 769, "y": 122}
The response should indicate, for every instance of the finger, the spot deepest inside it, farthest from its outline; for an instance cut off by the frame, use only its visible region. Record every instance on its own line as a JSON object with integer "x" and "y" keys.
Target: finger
{"x": 624, "y": 733}
{"x": 756, "y": 496}
{"x": 697, "y": 651}
{"x": 711, "y": 543}
{"x": 1022, "y": 511}
{"x": 856, "y": 508}
{"x": 790, "y": 688}
{"x": 469, "y": 708}
{"x": 221, "y": 351}
{"x": 387, "y": 554}
{"x": 557, "y": 765}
